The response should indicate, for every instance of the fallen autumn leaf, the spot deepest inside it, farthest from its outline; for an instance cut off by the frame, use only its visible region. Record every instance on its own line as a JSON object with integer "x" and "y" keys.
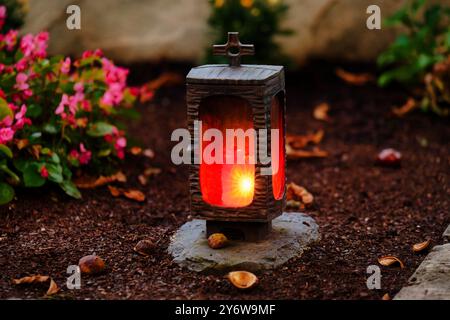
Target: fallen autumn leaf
{"x": 390, "y": 260}
{"x": 242, "y": 279}
{"x": 53, "y": 288}
{"x": 354, "y": 78}
{"x": 86, "y": 182}
{"x": 321, "y": 112}
{"x": 418, "y": 247}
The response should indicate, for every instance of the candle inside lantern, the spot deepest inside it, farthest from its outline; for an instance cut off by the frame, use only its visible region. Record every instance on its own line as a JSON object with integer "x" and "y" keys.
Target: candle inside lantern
{"x": 227, "y": 184}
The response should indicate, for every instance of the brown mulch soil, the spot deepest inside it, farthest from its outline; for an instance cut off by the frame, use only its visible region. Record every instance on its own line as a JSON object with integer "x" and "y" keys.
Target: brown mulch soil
{"x": 364, "y": 211}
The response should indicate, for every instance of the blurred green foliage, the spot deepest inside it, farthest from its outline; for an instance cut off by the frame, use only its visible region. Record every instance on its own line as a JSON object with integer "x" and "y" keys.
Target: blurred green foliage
{"x": 257, "y": 21}
{"x": 425, "y": 43}
{"x": 16, "y": 10}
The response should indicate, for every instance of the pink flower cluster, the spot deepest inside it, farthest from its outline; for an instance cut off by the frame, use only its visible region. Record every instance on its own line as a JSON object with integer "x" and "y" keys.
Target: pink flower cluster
{"x": 118, "y": 140}
{"x": 83, "y": 156}
{"x": 70, "y": 104}
{"x": 9, "y": 125}
{"x": 115, "y": 78}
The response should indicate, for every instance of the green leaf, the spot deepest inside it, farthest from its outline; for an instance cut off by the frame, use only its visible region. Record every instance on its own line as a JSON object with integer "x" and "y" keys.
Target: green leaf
{"x": 54, "y": 172}
{"x": 6, "y": 150}
{"x": 20, "y": 164}
{"x": 70, "y": 189}
{"x": 32, "y": 176}
{"x": 34, "y": 111}
{"x": 35, "y": 136}
{"x": 6, "y": 193}
{"x": 423, "y": 62}
{"x": 104, "y": 153}
{"x": 4, "y": 167}
{"x": 100, "y": 129}
{"x": 5, "y": 110}
{"x": 50, "y": 128}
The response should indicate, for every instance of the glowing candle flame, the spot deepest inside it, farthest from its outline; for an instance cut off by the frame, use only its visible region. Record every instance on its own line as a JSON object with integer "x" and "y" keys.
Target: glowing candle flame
{"x": 246, "y": 185}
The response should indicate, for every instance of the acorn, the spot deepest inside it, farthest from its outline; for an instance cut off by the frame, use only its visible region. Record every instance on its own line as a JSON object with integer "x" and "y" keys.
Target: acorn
{"x": 217, "y": 240}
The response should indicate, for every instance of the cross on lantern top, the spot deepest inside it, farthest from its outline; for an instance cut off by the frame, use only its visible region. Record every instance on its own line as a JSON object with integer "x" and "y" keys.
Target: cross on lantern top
{"x": 233, "y": 49}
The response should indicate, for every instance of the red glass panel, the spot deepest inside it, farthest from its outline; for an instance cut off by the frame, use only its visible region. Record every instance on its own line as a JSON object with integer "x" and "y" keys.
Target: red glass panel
{"x": 227, "y": 185}
{"x": 277, "y": 122}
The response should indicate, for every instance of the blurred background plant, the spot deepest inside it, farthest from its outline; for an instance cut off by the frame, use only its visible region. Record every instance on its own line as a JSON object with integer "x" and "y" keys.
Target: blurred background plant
{"x": 57, "y": 116}
{"x": 16, "y": 10}
{"x": 257, "y": 21}
{"x": 421, "y": 55}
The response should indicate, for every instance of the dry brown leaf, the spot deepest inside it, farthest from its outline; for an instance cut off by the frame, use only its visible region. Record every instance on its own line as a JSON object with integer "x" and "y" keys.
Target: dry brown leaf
{"x": 301, "y": 141}
{"x": 418, "y": 247}
{"x": 22, "y": 143}
{"x": 149, "y": 153}
{"x": 91, "y": 264}
{"x": 145, "y": 247}
{"x": 299, "y": 193}
{"x": 321, "y": 112}
{"x": 316, "y": 152}
{"x": 36, "y": 150}
{"x": 136, "y": 151}
{"x": 87, "y": 182}
{"x": 404, "y": 109}
{"x": 242, "y": 279}
{"x": 142, "y": 180}
{"x": 386, "y": 296}
{"x": 115, "y": 192}
{"x": 354, "y": 78}
{"x": 53, "y": 288}
{"x": 134, "y": 195}
{"x": 152, "y": 172}
{"x": 31, "y": 279}
{"x": 165, "y": 79}
{"x": 390, "y": 260}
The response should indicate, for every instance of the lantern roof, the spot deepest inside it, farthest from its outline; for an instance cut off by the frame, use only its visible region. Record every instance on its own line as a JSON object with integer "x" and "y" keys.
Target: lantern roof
{"x": 234, "y": 73}
{"x": 224, "y": 74}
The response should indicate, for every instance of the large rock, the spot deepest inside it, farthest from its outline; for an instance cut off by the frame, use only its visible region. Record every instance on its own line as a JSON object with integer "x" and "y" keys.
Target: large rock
{"x": 292, "y": 234}
{"x": 446, "y": 234}
{"x": 137, "y": 30}
{"x": 431, "y": 281}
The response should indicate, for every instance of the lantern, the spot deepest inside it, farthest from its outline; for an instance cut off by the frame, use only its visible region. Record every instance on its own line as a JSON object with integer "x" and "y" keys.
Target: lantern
{"x": 237, "y": 198}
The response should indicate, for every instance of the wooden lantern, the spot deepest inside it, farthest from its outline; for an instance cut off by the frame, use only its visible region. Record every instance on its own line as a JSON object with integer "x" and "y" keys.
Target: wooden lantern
{"x": 236, "y": 199}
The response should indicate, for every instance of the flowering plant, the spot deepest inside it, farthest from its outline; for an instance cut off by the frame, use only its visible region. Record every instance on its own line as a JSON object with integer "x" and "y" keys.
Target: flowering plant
{"x": 57, "y": 115}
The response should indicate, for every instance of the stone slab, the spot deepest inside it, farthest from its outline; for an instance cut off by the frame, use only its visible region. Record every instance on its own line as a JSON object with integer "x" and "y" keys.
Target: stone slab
{"x": 292, "y": 234}
{"x": 431, "y": 281}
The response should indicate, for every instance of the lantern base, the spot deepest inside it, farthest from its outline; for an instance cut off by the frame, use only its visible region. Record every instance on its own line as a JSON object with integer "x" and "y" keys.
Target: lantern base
{"x": 245, "y": 231}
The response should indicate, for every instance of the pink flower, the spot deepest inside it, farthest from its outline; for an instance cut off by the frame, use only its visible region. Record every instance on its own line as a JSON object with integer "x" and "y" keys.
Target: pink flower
{"x": 44, "y": 172}
{"x": 10, "y": 39}
{"x": 21, "y": 82}
{"x": 6, "y": 134}
{"x": 21, "y": 65}
{"x": 65, "y": 66}
{"x": 34, "y": 46}
{"x": 121, "y": 142}
{"x": 41, "y": 41}
{"x": 69, "y": 101}
{"x": 2, "y": 12}
{"x": 20, "y": 118}
{"x": 64, "y": 101}
{"x": 22, "y": 85}
{"x": 2, "y": 15}
{"x": 85, "y": 155}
